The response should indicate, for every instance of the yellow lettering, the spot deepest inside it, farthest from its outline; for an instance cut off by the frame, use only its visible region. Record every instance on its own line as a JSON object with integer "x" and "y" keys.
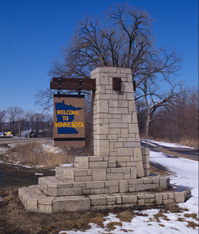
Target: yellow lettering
{"x": 69, "y": 124}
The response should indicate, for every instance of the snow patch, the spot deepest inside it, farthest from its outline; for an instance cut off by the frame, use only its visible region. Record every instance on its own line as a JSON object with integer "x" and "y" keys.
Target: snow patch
{"x": 39, "y": 174}
{"x": 167, "y": 144}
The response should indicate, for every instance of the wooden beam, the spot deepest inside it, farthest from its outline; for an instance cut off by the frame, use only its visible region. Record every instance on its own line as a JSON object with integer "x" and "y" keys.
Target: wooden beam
{"x": 73, "y": 84}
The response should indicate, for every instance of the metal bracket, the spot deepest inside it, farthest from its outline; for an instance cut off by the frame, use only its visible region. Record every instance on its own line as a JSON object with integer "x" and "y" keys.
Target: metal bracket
{"x": 59, "y": 87}
{"x": 80, "y": 87}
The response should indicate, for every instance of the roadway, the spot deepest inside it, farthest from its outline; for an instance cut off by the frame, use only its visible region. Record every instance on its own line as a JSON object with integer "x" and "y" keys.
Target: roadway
{"x": 21, "y": 140}
{"x": 187, "y": 153}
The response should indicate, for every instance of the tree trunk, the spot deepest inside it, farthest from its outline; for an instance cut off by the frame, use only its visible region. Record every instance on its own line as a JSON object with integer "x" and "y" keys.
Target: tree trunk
{"x": 147, "y": 133}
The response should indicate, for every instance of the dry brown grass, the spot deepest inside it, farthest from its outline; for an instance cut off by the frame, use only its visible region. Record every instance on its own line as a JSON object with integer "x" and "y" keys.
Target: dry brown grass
{"x": 112, "y": 225}
{"x": 125, "y": 216}
{"x": 190, "y": 142}
{"x": 192, "y": 215}
{"x": 32, "y": 154}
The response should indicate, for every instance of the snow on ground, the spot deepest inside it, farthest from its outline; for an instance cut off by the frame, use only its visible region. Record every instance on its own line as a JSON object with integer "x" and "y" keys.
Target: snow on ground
{"x": 167, "y": 144}
{"x": 184, "y": 173}
{"x": 49, "y": 147}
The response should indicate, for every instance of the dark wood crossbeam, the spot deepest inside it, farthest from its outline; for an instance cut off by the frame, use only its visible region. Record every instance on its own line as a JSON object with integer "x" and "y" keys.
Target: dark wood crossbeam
{"x": 72, "y": 84}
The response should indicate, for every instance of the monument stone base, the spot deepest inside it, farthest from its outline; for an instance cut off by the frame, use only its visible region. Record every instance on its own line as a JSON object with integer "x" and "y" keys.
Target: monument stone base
{"x": 92, "y": 185}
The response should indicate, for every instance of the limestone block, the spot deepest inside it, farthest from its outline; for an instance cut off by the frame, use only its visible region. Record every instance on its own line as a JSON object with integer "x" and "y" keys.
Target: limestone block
{"x": 123, "y": 186}
{"x": 131, "y": 164}
{"x": 133, "y": 173}
{"x": 131, "y": 144}
{"x": 179, "y": 197}
{"x": 164, "y": 182}
{"x": 46, "y": 201}
{"x": 111, "y": 200}
{"x": 141, "y": 202}
{"x": 115, "y": 125}
{"x": 128, "y": 199}
{"x": 127, "y": 176}
{"x": 146, "y": 195}
{"x": 81, "y": 162}
{"x": 140, "y": 169}
{"x": 52, "y": 192}
{"x": 126, "y": 118}
{"x": 147, "y": 180}
{"x": 111, "y": 183}
{"x": 100, "y": 89}
{"x": 86, "y": 191}
{"x": 112, "y": 146}
{"x": 134, "y": 117}
{"x": 69, "y": 191}
{"x": 113, "y": 131}
{"x": 103, "y": 148}
{"x": 95, "y": 185}
{"x": 137, "y": 137}
{"x": 137, "y": 154}
{"x": 132, "y": 188}
{"x": 111, "y": 165}
{"x": 103, "y": 129}
{"x": 41, "y": 209}
{"x": 102, "y": 79}
{"x": 130, "y": 96}
{"x": 98, "y": 200}
{"x": 187, "y": 194}
{"x": 83, "y": 178}
{"x": 71, "y": 204}
{"x": 121, "y": 110}
{"x": 115, "y": 176}
{"x": 127, "y": 87}
{"x": 113, "y": 103}
{"x": 48, "y": 209}
{"x": 99, "y": 174}
{"x": 125, "y": 151}
{"x": 133, "y": 128}
{"x": 102, "y": 96}
{"x": 97, "y": 165}
{"x": 113, "y": 189}
{"x": 156, "y": 179}
{"x": 118, "y": 144}
{"x": 99, "y": 191}
{"x": 124, "y": 170}
{"x": 80, "y": 172}
{"x": 31, "y": 204}
{"x": 112, "y": 137}
{"x": 124, "y": 132}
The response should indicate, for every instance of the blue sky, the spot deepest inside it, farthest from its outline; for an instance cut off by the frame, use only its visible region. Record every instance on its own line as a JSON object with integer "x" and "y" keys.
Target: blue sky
{"x": 34, "y": 32}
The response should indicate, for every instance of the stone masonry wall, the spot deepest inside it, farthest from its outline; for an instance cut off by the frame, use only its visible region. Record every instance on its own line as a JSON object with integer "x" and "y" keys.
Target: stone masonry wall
{"x": 115, "y": 127}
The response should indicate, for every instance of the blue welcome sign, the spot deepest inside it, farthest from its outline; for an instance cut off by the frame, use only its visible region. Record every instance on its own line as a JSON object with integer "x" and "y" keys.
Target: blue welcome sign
{"x": 69, "y": 120}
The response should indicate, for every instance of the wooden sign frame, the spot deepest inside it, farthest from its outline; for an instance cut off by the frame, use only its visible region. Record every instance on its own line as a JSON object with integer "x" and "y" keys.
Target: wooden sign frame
{"x": 69, "y": 120}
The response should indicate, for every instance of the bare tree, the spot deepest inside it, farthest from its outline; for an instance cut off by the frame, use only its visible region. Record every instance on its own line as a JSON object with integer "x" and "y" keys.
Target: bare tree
{"x": 155, "y": 99}
{"x": 2, "y": 118}
{"x": 15, "y": 113}
{"x": 179, "y": 122}
{"x": 124, "y": 39}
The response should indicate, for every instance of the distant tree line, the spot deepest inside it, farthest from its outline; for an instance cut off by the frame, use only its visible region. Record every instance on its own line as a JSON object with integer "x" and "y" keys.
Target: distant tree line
{"x": 177, "y": 121}
{"x": 14, "y": 119}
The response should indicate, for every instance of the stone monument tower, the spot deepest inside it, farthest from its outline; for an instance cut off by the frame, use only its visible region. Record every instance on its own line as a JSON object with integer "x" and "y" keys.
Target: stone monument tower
{"x": 117, "y": 175}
